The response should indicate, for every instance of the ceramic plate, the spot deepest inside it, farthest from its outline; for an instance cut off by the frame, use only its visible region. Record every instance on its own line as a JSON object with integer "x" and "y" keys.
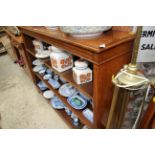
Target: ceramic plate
{"x": 37, "y": 62}
{"x": 43, "y": 54}
{"x": 67, "y": 90}
{"x": 42, "y": 85}
{"x": 48, "y": 94}
{"x": 47, "y": 76}
{"x": 37, "y": 68}
{"x": 55, "y": 84}
{"x": 57, "y": 103}
{"x": 77, "y": 102}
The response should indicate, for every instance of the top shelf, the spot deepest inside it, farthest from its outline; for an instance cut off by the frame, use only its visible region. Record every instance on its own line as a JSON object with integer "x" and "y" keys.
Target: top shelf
{"x": 110, "y": 38}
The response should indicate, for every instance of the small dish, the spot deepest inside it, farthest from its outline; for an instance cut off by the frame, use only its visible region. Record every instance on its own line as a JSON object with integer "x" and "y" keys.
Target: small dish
{"x": 47, "y": 76}
{"x": 49, "y": 71}
{"x": 43, "y": 54}
{"x": 57, "y": 103}
{"x": 54, "y": 83}
{"x": 48, "y": 94}
{"x": 67, "y": 90}
{"x": 42, "y": 71}
{"x": 37, "y": 62}
{"x": 38, "y": 68}
{"x": 42, "y": 85}
{"x": 77, "y": 102}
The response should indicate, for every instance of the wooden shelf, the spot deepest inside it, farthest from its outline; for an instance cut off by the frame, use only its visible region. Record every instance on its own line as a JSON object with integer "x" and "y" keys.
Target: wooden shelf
{"x": 62, "y": 114}
{"x": 86, "y": 89}
{"x": 64, "y": 100}
{"x": 105, "y": 63}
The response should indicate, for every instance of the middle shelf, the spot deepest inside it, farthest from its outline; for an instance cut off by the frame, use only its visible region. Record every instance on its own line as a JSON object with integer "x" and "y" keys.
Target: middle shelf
{"x": 86, "y": 89}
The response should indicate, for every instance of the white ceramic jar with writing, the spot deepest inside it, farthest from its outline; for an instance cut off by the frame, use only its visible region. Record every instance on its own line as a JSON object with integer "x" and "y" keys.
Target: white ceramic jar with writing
{"x": 81, "y": 72}
{"x": 60, "y": 60}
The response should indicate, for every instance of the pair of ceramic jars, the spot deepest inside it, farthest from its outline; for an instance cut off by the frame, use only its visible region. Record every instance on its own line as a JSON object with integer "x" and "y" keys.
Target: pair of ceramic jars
{"x": 60, "y": 60}
{"x": 81, "y": 72}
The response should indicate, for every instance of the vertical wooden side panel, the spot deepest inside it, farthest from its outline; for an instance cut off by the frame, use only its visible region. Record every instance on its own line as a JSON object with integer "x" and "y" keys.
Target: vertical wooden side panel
{"x": 103, "y": 87}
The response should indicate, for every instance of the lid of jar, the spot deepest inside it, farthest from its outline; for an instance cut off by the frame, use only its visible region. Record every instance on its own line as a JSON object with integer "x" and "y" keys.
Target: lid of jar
{"x": 81, "y": 64}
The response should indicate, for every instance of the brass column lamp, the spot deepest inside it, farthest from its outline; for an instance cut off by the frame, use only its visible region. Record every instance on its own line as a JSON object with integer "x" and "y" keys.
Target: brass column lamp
{"x": 126, "y": 81}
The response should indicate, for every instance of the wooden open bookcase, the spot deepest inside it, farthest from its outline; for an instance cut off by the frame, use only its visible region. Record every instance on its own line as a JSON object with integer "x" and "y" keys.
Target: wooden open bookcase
{"x": 105, "y": 62}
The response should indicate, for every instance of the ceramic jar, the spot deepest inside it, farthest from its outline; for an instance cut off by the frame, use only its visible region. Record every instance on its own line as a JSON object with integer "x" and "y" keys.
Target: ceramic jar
{"x": 38, "y": 45}
{"x": 81, "y": 72}
{"x": 60, "y": 60}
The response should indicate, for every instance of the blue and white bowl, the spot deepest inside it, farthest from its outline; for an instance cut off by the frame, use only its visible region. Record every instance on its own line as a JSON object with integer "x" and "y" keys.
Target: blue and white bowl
{"x": 84, "y": 31}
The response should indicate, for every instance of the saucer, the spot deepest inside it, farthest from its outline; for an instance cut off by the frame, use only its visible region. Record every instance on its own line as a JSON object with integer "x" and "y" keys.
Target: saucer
{"x": 48, "y": 94}
{"x": 77, "y": 102}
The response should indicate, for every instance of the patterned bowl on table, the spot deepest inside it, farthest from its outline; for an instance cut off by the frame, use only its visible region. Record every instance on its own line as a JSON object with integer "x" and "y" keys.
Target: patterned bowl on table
{"x": 84, "y": 31}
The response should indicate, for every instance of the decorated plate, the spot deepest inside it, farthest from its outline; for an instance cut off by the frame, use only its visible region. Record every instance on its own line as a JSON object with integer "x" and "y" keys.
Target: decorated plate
{"x": 43, "y": 54}
{"x": 57, "y": 103}
{"x": 47, "y": 76}
{"x": 77, "y": 102}
{"x": 37, "y": 68}
{"x": 67, "y": 90}
{"x": 37, "y": 62}
{"x": 54, "y": 83}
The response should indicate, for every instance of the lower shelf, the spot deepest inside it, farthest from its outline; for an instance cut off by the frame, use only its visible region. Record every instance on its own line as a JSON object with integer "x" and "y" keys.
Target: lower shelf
{"x": 63, "y": 115}
{"x": 64, "y": 100}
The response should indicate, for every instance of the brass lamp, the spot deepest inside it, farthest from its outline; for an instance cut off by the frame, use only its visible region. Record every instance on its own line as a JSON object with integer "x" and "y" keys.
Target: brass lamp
{"x": 127, "y": 81}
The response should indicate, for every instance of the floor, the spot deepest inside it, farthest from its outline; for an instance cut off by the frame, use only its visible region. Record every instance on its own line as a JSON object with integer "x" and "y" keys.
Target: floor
{"x": 21, "y": 106}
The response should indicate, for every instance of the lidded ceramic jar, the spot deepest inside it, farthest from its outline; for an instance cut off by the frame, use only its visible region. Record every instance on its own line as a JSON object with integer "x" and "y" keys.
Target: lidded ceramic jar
{"x": 81, "y": 72}
{"x": 38, "y": 45}
{"x": 60, "y": 60}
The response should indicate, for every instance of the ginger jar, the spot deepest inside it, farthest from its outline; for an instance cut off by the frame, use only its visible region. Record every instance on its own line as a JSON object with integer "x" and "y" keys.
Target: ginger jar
{"x": 81, "y": 72}
{"x": 60, "y": 60}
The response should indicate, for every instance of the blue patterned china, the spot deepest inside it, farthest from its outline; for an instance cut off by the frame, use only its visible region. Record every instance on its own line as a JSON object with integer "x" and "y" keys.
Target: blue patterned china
{"x": 42, "y": 85}
{"x": 54, "y": 83}
{"x": 88, "y": 114}
{"x": 37, "y": 62}
{"x": 38, "y": 68}
{"x": 84, "y": 31}
{"x": 67, "y": 90}
{"x": 57, "y": 103}
{"x": 68, "y": 111}
{"x": 77, "y": 102}
{"x": 47, "y": 76}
